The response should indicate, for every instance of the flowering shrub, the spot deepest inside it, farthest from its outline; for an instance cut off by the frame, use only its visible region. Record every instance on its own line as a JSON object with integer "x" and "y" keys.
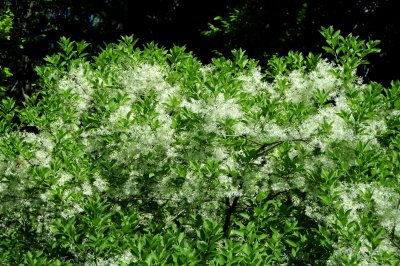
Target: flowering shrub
{"x": 146, "y": 156}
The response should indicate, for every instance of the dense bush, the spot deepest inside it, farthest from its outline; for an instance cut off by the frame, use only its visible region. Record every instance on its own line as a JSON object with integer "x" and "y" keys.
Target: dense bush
{"x": 146, "y": 156}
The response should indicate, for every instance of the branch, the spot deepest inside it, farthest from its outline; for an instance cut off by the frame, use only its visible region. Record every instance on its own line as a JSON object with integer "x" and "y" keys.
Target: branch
{"x": 231, "y": 209}
{"x": 173, "y": 219}
{"x": 266, "y": 147}
{"x": 270, "y": 146}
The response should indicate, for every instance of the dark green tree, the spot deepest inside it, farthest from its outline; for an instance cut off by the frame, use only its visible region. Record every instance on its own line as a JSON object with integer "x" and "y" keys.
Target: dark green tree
{"x": 264, "y": 27}
{"x": 6, "y": 23}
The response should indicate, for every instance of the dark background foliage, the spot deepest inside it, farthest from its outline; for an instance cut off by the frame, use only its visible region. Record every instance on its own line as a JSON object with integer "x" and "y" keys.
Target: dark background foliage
{"x": 261, "y": 27}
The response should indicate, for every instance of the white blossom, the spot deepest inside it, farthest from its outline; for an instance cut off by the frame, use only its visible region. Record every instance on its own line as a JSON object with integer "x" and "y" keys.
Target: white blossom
{"x": 87, "y": 189}
{"x": 64, "y": 178}
{"x": 42, "y": 158}
{"x": 101, "y": 184}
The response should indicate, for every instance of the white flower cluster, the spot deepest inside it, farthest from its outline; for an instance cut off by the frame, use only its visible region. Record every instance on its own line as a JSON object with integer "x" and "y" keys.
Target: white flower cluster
{"x": 302, "y": 87}
{"x": 372, "y": 129}
{"x": 385, "y": 202}
{"x": 78, "y": 81}
{"x": 101, "y": 184}
{"x": 252, "y": 83}
{"x": 125, "y": 258}
{"x": 45, "y": 144}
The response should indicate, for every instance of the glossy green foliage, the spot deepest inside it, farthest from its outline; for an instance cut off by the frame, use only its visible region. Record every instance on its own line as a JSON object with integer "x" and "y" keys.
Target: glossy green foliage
{"x": 145, "y": 156}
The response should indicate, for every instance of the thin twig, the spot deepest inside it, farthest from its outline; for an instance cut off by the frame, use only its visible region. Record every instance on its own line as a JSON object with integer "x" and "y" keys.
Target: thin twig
{"x": 269, "y": 146}
{"x": 173, "y": 219}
